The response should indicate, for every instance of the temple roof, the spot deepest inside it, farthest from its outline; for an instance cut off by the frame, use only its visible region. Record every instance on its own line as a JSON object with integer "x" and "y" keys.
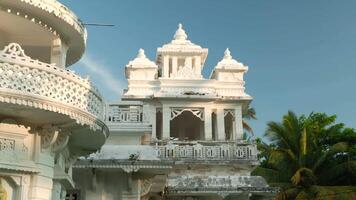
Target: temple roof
{"x": 141, "y": 61}
{"x": 180, "y": 41}
{"x": 180, "y": 44}
{"x": 229, "y": 63}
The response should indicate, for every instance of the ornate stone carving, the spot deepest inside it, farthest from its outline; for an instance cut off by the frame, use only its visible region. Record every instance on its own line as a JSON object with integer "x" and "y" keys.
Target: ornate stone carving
{"x": 59, "y": 90}
{"x": 231, "y": 111}
{"x": 130, "y": 168}
{"x": 61, "y": 142}
{"x": 176, "y": 150}
{"x": 7, "y": 144}
{"x": 221, "y": 185}
{"x": 14, "y": 49}
{"x": 198, "y": 112}
{"x": 145, "y": 186}
{"x": 186, "y": 72}
{"x": 49, "y": 135}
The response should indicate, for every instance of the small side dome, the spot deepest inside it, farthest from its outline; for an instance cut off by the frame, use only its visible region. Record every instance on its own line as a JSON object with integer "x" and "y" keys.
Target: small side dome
{"x": 229, "y": 63}
{"x": 141, "y": 68}
{"x": 229, "y": 69}
{"x": 180, "y": 33}
{"x": 141, "y": 61}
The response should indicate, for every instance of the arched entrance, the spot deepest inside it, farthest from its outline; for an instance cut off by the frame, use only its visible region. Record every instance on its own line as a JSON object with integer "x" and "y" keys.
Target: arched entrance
{"x": 8, "y": 188}
{"x": 229, "y": 125}
{"x": 187, "y": 125}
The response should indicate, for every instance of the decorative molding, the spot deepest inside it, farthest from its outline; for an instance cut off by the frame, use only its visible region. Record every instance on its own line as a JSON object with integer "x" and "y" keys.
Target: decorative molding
{"x": 7, "y": 145}
{"x": 14, "y": 49}
{"x": 61, "y": 142}
{"x": 198, "y": 112}
{"x": 60, "y": 11}
{"x": 49, "y": 135}
{"x": 186, "y": 72}
{"x": 221, "y": 185}
{"x": 231, "y": 111}
{"x": 130, "y": 168}
{"x": 145, "y": 186}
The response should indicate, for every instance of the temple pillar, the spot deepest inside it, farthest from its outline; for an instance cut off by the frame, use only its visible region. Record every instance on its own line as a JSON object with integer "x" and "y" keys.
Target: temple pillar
{"x": 56, "y": 190}
{"x": 166, "y": 119}
{"x": 197, "y": 63}
{"x": 59, "y": 52}
{"x": 238, "y": 129}
{"x": 153, "y": 122}
{"x": 165, "y": 67}
{"x": 149, "y": 115}
{"x": 220, "y": 122}
{"x": 208, "y": 133}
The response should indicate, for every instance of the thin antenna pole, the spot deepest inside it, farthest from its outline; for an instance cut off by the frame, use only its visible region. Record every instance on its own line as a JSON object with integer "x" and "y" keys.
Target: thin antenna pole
{"x": 97, "y": 24}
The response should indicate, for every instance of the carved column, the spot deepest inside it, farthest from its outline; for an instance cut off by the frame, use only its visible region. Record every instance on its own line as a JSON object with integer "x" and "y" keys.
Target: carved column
{"x": 238, "y": 133}
{"x": 51, "y": 143}
{"x": 165, "y": 67}
{"x": 153, "y": 122}
{"x": 197, "y": 64}
{"x": 59, "y": 52}
{"x": 42, "y": 183}
{"x": 56, "y": 190}
{"x": 166, "y": 119}
{"x": 220, "y": 122}
{"x": 149, "y": 115}
{"x": 208, "y": 133}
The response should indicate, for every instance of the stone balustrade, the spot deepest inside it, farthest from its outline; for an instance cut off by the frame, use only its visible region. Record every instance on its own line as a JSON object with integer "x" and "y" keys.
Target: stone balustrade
{"x": 220, "y": 185}
{"x": 118, "y": 114}
{"x": 206, "y": 151}
{"x": 32, "y": 83}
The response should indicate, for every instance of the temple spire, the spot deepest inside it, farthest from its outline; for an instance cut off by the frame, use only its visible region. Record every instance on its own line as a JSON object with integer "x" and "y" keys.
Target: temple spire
{"x": 227, "y": 54}
{"x": 180, "y": 33}
{"x": 141, "y": 53}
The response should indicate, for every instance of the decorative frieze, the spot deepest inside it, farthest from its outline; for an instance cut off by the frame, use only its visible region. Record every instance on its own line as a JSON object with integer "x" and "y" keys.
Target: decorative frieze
{"x": 195, "y": 151}
{"x": 7, "y": 144}
{"x": 221, "y": 185}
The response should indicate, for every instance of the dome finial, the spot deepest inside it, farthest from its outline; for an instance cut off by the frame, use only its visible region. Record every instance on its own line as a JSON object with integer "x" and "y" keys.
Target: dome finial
{"x": 141, "y": 53}
{"x": 180, "y": 26}
{"x": 180, "y": 33}
{"x": 227, "y": 54}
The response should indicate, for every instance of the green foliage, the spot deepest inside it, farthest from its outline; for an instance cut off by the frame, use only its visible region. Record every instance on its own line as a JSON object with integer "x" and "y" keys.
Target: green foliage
{"x": 308, "y": 154}
{"x": 248, "y": 115}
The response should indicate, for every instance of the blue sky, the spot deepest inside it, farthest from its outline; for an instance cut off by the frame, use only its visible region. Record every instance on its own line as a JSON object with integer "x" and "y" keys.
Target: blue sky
{"x": 301, "y": 54}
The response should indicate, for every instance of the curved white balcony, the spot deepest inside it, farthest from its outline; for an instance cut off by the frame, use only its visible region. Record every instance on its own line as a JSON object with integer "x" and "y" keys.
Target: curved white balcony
{"x": 36, "y": 93}
{"x": 52, "y": 17}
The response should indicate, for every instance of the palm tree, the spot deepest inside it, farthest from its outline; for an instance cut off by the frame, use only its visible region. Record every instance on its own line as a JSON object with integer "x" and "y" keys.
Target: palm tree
{"x": 250, "y": 114}
{"x": 308, "y": 157}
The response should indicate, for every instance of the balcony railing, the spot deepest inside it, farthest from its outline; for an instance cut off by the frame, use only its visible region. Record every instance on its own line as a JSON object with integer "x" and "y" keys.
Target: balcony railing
{"x": 29, "y": 82}
{"x": 203, "y": 150}
{"x": 122, "y": 113}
